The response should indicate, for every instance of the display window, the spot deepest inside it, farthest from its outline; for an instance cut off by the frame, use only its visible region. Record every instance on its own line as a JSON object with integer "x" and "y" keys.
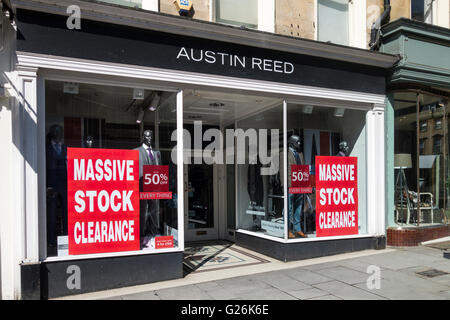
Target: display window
{"x": 111, "y": 182}
{"x": 260, "y": 202}
{"x": 420, "y": 160}
{"x": 326, "y": 171}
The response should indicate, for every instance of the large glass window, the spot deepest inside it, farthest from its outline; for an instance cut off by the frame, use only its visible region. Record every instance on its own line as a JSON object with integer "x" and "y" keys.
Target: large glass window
{"x": 260, "y": 202}
{"x": 332, "y": 21}
{"x": 237, "y": 12}
{"x": 326, "y": 171}
{"x": 111, "y": 182}
{"x": 420, "y": 160}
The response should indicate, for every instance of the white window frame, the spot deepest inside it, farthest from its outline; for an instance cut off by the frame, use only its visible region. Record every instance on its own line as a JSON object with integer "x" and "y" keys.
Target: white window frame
{"x": 266, "y": 14}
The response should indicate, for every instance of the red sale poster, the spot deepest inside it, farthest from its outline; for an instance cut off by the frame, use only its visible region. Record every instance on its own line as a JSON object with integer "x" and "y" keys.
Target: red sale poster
{"x": 300, "y": 179}
{"x": 336, "y": 196}
{"x": 102, "y": 200}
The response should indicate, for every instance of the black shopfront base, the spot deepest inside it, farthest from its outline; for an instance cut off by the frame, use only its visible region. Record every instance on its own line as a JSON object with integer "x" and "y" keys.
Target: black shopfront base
{"x": 48, "y": 280}
{"x": 307, "y": 250}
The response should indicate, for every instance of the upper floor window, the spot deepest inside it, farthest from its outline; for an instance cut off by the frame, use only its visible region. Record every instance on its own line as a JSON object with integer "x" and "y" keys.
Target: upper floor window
{"x": 128, "y": 3}
{"x": 332, "y": 21}
{"x": 438, "y": 124}
{"x": 421, "y": 10}
{"x": 237, "y": 12}
{"x": 423, "y": 126}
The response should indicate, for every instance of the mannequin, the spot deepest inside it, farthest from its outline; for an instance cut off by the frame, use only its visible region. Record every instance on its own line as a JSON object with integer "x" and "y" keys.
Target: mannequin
{"x": 343, "y": 149}
{"x": 149, "y": 209}
{"x": 89, "y": 142}
{"x": 295, "y": 157}
{"x": 56, "y": 180}
{"x": 255, "y": 189}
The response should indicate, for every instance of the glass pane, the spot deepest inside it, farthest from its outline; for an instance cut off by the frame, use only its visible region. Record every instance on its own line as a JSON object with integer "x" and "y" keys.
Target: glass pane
{"x": 237, "y": 12}
{"x": 417, "y": 10}
{"x": 127, "y": 3}
{"x": 260, "y": 197}
{"x": 326, "y": 171}
{"x": 200, "y": 196}
{"x": 425, "y": 174}
{"x": 93, "y": 201}
{"x": 333, "y": 21}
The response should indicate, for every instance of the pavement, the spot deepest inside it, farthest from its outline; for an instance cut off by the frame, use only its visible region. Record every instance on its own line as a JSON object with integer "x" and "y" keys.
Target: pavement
{"x": 389, "y": 274}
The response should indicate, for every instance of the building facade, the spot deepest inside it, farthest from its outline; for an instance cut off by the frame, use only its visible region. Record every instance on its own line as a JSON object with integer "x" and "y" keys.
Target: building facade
{"x": 129, "y": 131}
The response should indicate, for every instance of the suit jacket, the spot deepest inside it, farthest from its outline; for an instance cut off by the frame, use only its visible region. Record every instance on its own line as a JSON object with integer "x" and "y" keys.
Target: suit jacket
{"x": 144, "y": 159}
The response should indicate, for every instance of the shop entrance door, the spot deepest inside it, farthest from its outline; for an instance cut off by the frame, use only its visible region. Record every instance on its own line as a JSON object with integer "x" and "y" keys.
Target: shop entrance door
{"x": 200, "y": 205}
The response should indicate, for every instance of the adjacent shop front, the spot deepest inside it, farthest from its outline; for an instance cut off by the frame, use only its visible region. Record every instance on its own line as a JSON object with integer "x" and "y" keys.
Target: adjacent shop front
{"x": 141, "y": 135}
{"x": 417, "y": 127}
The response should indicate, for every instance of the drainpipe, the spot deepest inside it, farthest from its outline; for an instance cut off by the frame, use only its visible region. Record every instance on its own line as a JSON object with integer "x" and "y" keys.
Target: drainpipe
{"x": 375, "y": 30}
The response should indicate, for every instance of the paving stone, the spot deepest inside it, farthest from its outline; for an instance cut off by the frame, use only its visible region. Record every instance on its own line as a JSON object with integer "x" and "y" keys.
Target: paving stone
{"x": 308, "y": 293}
{"x": 190, "y": 292}
{"x": 344, "y": 274}
{"x": 307, "y": 276}
{"x": 267, "y": 294}
{"x": 142, "y": 296}
{"x": 395, "y": 291}
{"x": 282, "y": 282}
{"x": 345, "y": 291}
{"x": 327, "y": 297}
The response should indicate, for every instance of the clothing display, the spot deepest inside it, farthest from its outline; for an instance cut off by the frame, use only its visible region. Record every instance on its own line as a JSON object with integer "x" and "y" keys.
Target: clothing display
{"x": 255, "y": 188}
{"x": 149, "y": 209}
{"x": 56, "y": 183}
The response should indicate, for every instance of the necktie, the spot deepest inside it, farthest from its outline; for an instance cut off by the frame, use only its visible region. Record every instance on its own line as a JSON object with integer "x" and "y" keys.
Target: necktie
{"x": 150, "y": 154}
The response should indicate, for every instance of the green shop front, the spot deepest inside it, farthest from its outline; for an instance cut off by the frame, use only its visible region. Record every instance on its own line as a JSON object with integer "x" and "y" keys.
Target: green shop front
{"x": 417, "y": 145}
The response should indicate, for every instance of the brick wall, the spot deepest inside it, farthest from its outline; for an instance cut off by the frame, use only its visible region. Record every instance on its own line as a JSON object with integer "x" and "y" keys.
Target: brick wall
{"x": 414, "y": 236}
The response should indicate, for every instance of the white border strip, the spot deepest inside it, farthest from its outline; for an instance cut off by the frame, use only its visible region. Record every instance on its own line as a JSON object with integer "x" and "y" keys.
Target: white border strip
{"x": 111, "y": 255}
{"x": 191, "y": 78}
{"x": 264, "y": 236}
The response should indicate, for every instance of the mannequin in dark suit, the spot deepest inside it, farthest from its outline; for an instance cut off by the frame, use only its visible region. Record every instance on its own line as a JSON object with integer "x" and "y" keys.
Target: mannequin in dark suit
{"x": 295, "y": 157}
{"x": 343, "y": 149}
{"x": 149, "y": 209}
{"x": 56, "y": 183}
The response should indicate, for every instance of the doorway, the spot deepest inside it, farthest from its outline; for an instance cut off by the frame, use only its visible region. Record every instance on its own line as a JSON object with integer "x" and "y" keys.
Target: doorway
{"x": 201, "y": 202}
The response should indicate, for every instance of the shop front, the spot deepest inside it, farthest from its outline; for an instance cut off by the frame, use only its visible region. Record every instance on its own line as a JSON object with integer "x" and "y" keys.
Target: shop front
{"x": 417, "y": 124}
{"x": 139, "y": 136}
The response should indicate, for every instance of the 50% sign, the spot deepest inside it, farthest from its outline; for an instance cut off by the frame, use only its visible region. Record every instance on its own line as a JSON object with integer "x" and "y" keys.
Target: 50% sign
{"x": 155, "y": 183}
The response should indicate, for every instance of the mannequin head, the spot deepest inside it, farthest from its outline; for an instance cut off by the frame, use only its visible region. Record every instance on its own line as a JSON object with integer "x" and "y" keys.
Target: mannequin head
{"x": 294, "y": 143}
{"x": 55, "y": 133}
{"x": 147, "y": 138}
{"x": 89, "y": 141}
{"x": 343, "y": 147}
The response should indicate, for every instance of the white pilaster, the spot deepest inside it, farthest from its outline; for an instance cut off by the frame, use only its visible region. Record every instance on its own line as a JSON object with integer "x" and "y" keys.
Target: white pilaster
{"x": 375, "y": 171}
{"x": 27, "y": 83}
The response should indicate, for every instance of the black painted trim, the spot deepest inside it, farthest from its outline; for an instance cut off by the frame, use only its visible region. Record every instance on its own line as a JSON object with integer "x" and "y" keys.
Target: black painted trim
{"x": 47, "y": 34}
{"x": 49, "y": 279}
{"x": 292, "y": 251}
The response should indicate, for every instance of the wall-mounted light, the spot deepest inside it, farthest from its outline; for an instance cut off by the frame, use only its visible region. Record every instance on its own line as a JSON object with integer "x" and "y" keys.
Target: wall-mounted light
{"x": 140, "y": 117}
{"x": 308, "y": 109}
{"x": 339, "y": 112}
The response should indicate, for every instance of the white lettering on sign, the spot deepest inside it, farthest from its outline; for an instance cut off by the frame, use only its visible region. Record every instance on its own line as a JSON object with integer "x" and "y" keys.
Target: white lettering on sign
{"x": 337, "y": 172}
{"x": 231, "y": 60}
{"x": 103, "y": 231}
{"x": 108, "y": 170}
{"x": 341, "y": 219}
